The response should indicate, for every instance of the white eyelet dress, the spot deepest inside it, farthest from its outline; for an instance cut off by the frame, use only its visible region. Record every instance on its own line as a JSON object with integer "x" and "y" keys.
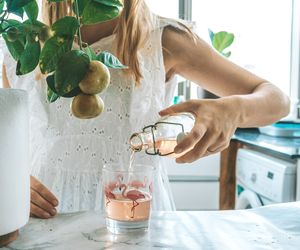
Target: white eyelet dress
{"x": 67, "y": 154}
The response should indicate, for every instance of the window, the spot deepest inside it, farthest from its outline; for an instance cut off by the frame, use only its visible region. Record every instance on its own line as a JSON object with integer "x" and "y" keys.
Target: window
{"x": 166, "y": 8}
{"x": 262, "y": 32}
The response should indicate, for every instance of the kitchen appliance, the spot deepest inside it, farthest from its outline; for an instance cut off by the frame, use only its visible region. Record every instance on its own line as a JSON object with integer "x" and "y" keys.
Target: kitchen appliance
{"x": 14, "y": 163}
{"x": 263, "y": 180}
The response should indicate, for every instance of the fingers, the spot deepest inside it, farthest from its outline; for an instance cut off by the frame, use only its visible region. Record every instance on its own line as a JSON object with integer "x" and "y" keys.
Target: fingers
{"x": 199, "y": 150}
{"x": 38, "y": 200}
{"x": 43, "y": 191}
{"x": 43, "y": 202}
{"x": 190, "y": 140}
{"x": 36, "y": 211}
{"x": 181, "y": 107}
{"x": 220, "y": 149}
{"x": 217, "y": 147}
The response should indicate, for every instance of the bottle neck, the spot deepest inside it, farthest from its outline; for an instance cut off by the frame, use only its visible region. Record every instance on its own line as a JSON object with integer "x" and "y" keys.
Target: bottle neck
{"x": 141, "y": 141}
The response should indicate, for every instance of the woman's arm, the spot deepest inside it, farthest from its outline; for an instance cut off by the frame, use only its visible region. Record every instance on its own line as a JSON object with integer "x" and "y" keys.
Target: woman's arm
{"x": 261, "y": 102}
{"x": 5, "y": 81}
{"x": 246, "y": 100}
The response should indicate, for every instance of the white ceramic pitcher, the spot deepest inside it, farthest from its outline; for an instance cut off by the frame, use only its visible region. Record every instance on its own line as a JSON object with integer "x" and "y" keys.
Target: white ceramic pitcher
{"x": 14, "y": 160}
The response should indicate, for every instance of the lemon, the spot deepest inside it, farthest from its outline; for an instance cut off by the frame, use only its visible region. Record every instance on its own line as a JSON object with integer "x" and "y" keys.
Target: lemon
{"x": 86, "y": 106}
{"x": 96, "y": 80}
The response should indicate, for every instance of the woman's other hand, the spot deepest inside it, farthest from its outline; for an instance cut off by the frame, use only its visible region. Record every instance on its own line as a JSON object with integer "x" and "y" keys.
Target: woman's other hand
{"x": 43, "y": 202}
{"x": 215, "y": 122}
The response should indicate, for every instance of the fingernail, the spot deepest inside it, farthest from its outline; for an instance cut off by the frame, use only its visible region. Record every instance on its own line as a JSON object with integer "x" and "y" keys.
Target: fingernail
{"x": 46, "y": 215}
{"x": 55, "y": 202}
{"x": 53, "y": 211}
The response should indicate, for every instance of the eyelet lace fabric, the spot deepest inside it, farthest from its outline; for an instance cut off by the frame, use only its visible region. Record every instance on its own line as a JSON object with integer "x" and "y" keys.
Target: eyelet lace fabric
{"x": 67, "y": 154}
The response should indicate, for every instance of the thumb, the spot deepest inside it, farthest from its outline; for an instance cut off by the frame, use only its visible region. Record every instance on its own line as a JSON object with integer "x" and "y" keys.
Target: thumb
{"x": 178, "y": 108}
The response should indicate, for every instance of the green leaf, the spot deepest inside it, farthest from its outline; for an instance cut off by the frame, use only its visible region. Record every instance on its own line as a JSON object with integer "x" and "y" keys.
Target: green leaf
{"x": 73, "y": 92}
{"x": 81, "y": 5}
{"x": 52, "y": 96}
{"x": 95, "y": 13}
{"x": 222, "y": 40}
{"x": 110, "y": 60}
{"x": 228, "y": 54}
{"x": 15, "y": 48}
{"x": 32, "y": 10}
{"x": 29, "y": 58}
{"x": 211, "y": 35}
{"x": 51, "y": 84}
{"x": 18, "y": 12}
{"x": 66, "y": 26}
{"x": 15, "y": 5}
{"x": 1, "y": 6}
{"x": 91, "y": 53}
{"x": 33, "y": 26}
{"x": 112, "y": 3}
{"x": 53, "y": 50}
{"x": 70, "y": 70}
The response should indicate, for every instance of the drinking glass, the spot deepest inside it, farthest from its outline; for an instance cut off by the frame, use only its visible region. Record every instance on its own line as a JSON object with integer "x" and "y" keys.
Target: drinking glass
{"x": 127, "y": 196}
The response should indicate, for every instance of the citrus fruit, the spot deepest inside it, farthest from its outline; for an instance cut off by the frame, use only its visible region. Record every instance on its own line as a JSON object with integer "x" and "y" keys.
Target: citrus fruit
{"x": 86, "y": 106}
{"x": 96, "y": 80}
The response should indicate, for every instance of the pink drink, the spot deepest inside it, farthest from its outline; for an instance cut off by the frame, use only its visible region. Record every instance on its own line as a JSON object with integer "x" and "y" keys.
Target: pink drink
{"x": 123, "y": 209}
{"x": 167, "y": 146}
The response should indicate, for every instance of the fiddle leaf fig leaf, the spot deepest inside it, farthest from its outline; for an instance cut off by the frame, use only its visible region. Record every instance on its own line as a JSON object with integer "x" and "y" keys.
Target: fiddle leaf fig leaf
{"x": 70, "y": 70}
{"x": 222, "y": 40}
{"x": 110, "y": 60}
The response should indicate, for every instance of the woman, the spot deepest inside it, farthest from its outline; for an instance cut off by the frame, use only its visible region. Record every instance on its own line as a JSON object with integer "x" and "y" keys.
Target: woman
{"x": 67, "y": 154}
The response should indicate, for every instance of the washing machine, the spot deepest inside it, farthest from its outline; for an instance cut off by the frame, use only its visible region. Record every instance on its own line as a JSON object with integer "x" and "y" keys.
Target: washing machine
{"x": 263, "y": 180}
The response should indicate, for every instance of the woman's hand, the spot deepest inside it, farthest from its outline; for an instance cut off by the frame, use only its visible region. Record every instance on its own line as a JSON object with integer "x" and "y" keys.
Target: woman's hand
{"x": 215, "y": 122}
{"x": 43, "y": 202}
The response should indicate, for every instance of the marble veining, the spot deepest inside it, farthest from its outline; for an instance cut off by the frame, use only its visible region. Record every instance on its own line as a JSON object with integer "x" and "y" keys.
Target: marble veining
{"x": 270, "y": 227}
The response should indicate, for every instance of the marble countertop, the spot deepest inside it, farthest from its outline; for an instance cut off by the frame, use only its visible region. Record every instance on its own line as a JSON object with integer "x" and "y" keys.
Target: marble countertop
{"x": 270, "y": 227}
{"x": 281, "y": 146}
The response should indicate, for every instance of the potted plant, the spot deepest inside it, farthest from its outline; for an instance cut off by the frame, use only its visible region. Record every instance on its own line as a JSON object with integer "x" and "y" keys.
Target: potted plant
{"x": 69, "y": 72}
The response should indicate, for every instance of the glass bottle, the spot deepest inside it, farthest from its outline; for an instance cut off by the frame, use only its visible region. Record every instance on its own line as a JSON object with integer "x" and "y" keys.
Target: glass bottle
{"x": 162, "y": 137}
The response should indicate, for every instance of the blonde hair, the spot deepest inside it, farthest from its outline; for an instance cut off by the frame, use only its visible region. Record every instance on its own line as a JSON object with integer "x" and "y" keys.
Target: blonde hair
{"x": 132, "y": 31}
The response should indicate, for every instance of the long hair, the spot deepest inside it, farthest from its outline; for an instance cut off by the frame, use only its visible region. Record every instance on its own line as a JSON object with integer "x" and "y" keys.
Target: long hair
{"x": 132, "y": 31}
